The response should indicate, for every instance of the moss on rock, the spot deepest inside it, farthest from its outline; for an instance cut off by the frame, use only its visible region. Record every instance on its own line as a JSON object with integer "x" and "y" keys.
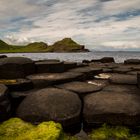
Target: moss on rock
{"x": 16, "y": 129}
{"x": 112, "y": 133}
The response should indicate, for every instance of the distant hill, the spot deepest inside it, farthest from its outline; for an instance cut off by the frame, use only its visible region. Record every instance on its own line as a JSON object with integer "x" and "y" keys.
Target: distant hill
{"x": 64, "y": 45}
{"x": 67, "y": 45}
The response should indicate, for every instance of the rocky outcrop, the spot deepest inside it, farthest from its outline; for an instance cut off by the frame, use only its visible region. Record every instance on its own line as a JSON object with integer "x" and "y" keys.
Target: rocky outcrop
{"x": 16, "y": 67}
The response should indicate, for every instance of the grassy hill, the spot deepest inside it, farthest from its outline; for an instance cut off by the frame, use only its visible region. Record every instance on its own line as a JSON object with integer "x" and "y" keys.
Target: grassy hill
{"x": 65, "y": 45}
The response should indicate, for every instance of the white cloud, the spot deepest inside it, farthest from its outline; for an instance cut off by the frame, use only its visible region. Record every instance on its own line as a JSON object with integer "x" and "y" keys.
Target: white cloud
{"x": 53, "y": 20}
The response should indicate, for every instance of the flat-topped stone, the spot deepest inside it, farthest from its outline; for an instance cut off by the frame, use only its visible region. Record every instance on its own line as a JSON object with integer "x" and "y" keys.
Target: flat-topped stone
{"x": 16, "y": 67}
{"x": 116, "y": 108}
{"x": 5, "y": 105}
{"x": 51, "y": 104}
{"x": 82, "y": 88}
{"x": 49, "y": 66}
{"x": 123, "y": 79}
{"x": 47, "y": 79}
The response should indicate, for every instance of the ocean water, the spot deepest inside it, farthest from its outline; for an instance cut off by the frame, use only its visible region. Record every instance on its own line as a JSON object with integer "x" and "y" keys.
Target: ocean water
{"x": 78, "y": 57}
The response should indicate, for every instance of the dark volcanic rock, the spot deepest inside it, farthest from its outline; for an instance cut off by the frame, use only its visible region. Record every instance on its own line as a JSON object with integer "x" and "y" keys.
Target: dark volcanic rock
{"x": 138, "y": 79}
{"x": 107, "y": 60}
{"x": 121, "y": 70}
{"x": 123, "y": 79}
{"x": 16, "y": 67}
{"x": 82, "y": 88}
{"x": 18, "y": 84}
{"x": 48, "y": 79}
{"x": 3, "y": 56}
{"x": 133, "y": 89}
{"x": 5, "y": 105}
{"x": 49, "y": 67}
{"x": 116, "y": 108}
{"x": 88, "y": 72}
{"x": 132, "y": 61}
{"x": 69, "y": 65}
{"x": 133, "y": 72}
{"x": 51, "y": 104}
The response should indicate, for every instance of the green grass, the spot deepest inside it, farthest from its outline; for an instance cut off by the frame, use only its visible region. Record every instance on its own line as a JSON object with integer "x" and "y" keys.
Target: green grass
{"x": 65, "y": 45}
{"x": 112, "y": 133}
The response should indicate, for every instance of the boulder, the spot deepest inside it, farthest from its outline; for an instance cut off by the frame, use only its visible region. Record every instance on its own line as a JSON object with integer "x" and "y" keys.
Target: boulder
{"x": 49, "y": 67}
{"x": 16, "y": 67}
{"x": 123, "y": 79}
{"x": 115, "y": 108}
{"x": 82, "y": 88}
{"x": 132, "y": 61}
{"x": 107, "y": 60}
{"x": 51, "y": 104}
{"x": 5, "y": 105}
{"x": 3, "y": 56}
{"x": 17, "y": 84}
{"x": 17, "y": 97}
{"x": 86, "y": 61}
{"x": 49, "y": 79}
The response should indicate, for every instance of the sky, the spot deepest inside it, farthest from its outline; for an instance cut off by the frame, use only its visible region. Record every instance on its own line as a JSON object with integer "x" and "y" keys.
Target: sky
{"x": 97, "y": 24}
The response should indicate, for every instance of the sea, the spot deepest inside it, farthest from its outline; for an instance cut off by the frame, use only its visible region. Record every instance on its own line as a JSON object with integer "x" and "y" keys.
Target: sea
{"x": 119, "y": 56}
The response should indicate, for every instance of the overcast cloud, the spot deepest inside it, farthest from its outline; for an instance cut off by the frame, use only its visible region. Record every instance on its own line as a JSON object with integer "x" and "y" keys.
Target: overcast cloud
{"x": 98, "y": 24}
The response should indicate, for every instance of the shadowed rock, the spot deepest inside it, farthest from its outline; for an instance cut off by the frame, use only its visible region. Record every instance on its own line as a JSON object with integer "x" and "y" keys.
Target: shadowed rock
{"x": 16, "y": 67}
{"x": 18, "y": 84}
{"x": 121, "y": 70}
{"x": 3, "y": 56}
{"x": 132, "y": 61}
{"x": 69, "y": 65}
{"x": 49, "y": 66}
{"x": 107, "y": 60}
{"x": 88, "y": 72}
{"x": 51, "y": 104}
{"x": 116, "y": 108}
{"x": 5, "y": 105}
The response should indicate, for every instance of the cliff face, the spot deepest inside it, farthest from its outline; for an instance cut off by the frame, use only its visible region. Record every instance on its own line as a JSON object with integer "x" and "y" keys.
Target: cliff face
{"x": 64, "y": 45}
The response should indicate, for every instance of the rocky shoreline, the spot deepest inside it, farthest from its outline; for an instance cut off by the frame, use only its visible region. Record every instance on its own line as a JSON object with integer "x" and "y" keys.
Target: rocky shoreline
{"x": 90, "y": 93}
